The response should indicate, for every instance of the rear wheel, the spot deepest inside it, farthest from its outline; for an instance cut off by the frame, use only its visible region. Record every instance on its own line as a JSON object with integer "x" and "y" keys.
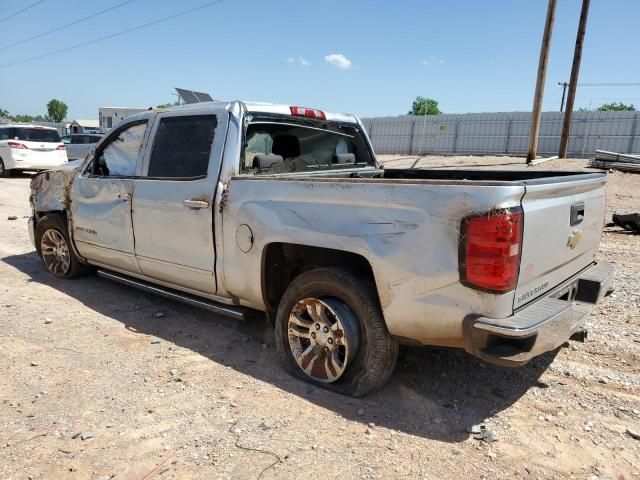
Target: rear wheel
{"x": 330, "y": 331}
{"x": 3, "y": 171}
{"x": 53, "y": 245}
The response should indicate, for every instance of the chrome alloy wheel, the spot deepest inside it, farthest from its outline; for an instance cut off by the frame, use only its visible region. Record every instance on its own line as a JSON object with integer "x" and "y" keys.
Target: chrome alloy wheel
{"x": 55, "y": 252}
{"x": 323, "y": 337}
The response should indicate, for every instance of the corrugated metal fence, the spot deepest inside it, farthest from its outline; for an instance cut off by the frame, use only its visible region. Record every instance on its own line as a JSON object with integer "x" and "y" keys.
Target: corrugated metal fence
{"x": 503, "y": 133}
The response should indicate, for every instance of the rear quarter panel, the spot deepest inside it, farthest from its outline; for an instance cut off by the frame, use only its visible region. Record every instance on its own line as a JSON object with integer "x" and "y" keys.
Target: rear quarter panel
{"x": 408, "y": 231}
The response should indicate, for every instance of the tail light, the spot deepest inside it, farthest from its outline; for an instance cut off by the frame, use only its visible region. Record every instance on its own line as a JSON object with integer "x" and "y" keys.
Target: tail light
{"x": 490, "y": 249}
{"x": 61, "y": 147}
{"x": 18, "y": 145}
{"x": 308, "y": 112}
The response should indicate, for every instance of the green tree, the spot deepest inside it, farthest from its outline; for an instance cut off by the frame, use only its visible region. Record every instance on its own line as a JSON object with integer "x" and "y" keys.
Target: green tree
{"x": 168, "y": 105}
{"x": 57, "y": 110}
{"x": 616, "y": 107}
{"x": 4, "y": 113}
{"x": 424, "y": 106}
{"x": 23, "y": 118}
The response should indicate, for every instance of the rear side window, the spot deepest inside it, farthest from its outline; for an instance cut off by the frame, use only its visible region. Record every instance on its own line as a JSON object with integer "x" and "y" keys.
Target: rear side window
{"x": 182, "y": 146}
{"x": 36, "y": 135}
{"x": 5, "y": 133}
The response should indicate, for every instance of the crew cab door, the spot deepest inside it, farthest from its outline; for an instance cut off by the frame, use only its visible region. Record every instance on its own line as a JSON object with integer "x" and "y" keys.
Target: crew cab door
{"x": 173, "y": 203}
{"x": 101, "y": 198}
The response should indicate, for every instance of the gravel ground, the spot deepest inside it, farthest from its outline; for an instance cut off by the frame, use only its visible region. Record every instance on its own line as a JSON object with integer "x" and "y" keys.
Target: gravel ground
{"x": 99, "y": 381}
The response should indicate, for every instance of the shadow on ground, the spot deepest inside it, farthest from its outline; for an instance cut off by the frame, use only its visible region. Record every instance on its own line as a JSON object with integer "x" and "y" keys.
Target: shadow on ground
{"x": 434, "y": 393}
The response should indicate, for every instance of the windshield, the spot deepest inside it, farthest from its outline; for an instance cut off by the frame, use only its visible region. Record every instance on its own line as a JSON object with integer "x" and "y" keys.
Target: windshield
{"x": 282, "y": 147}
{"x": 36, "y": 135}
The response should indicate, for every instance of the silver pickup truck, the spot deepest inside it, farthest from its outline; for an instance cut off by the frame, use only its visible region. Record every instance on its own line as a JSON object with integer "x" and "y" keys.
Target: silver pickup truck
{"x": 243, "y": 207}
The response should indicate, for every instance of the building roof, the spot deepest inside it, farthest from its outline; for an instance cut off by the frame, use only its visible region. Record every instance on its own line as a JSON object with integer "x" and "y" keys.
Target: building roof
{"x": 87, "y": 123}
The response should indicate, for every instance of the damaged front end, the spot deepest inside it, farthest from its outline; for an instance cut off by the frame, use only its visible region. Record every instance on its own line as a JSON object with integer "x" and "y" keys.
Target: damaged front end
{"x": 50, "y": 192}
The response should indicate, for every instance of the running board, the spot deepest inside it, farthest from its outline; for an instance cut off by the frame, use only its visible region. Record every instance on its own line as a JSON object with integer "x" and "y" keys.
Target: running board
{"x": 238, "y": 313}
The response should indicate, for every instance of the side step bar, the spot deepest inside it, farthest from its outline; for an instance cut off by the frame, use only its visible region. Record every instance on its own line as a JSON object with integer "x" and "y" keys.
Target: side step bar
{"x": 238, "y": 313}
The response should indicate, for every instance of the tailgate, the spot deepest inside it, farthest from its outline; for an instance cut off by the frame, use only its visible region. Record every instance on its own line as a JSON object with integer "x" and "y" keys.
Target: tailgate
{"x": 563, "y": 219}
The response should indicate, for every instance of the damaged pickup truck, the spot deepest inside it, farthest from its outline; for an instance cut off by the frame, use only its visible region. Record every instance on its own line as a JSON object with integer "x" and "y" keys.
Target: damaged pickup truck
{"x": 244, "y": 207}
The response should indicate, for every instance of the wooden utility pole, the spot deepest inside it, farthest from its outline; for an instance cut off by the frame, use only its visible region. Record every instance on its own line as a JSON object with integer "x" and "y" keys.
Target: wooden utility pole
{"x": 573, "y": 82}
{"x": 534, "y": 132}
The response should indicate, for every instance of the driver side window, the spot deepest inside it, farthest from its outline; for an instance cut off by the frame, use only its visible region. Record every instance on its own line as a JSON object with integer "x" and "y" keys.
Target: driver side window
{"x": 119, "y": 155}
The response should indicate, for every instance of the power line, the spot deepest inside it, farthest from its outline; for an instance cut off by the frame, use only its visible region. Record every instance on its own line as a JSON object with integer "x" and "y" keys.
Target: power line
{"x": 23, "y": 10}
{"x": 117, "y": 34}
{"x": 609, "y": 84}
{"x": 88, "y": 17}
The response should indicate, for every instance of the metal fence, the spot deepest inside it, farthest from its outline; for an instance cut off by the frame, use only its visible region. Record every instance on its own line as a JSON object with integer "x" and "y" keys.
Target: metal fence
{"x": 503, "y": 133}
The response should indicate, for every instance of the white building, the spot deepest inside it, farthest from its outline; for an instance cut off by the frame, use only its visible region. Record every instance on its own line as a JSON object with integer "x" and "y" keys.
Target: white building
{"x": 84, "y": 126}
{"x": 109, "y": 117}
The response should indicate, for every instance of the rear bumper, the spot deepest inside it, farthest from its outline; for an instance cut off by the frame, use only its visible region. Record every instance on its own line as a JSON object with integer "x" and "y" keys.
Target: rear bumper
{"x": 541, "y": 326}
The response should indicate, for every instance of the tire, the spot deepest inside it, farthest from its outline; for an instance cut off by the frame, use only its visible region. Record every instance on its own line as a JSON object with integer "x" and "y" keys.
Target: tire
{"x": 351, "y": 303}
{"x": 51, "y": 236}
{"x": 3, "y": 171}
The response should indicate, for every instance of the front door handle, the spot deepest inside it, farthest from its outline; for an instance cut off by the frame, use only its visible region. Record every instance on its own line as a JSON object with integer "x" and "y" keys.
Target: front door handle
{"x": 196, "y": 204}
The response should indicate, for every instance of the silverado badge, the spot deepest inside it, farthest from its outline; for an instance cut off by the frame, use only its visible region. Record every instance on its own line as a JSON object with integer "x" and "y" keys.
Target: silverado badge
{"x": 574, "y": 239}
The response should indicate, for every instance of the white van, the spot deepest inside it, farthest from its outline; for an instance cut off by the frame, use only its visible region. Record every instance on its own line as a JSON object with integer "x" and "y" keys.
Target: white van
{"x": 30, "y": 147}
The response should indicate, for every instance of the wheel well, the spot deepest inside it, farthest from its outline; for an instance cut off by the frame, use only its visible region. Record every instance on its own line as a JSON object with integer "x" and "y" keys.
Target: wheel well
{"x": 282, "y": 262}
{"x": 39, "y": 214}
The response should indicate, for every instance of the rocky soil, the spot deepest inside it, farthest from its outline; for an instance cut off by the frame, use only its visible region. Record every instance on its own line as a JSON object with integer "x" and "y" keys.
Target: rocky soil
{"x": 98, "y": 381}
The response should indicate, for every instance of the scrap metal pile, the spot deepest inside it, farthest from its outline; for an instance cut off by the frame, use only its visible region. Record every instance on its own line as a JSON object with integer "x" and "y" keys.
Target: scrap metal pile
{"x": 618, "y": 161}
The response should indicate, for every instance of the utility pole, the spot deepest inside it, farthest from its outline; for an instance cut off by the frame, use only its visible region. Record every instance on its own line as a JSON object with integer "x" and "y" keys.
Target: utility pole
{"x": 573, "y": 82}
{"x": 536, "y": 114}
{"x": 564, "y": 86}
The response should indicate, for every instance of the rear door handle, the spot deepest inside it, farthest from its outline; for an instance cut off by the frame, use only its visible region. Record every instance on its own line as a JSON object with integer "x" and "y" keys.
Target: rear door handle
{"x": 196, "y": 204}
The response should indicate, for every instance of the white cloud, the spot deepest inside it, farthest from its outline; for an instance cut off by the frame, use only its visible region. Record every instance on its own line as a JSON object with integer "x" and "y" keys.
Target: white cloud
{"x": 291, "y": 60}
{"x": 433, "y": 59}
{"x": 338, "y": 60}
{"x": 303, "y": 62}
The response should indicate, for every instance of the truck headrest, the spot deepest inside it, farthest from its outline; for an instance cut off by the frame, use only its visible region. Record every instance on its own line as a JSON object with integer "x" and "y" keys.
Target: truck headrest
{"x": 265, "y": 162}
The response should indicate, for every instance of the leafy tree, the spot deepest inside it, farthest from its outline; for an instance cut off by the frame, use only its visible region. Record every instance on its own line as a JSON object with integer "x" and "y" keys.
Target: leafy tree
{"x": 616, "y": 107}
{"x": 4, "y": 113}
{"x": 57, "y": 110}
{"x": 424, "y": 106}
{"x": 23, "y": 118}
{"x": 39, "y": 118}
{"x": 168, "y": 105}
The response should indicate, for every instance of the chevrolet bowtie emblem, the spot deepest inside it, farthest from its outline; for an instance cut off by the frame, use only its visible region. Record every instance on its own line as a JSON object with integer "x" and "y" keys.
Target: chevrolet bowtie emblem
{"x": 574, "y": 239}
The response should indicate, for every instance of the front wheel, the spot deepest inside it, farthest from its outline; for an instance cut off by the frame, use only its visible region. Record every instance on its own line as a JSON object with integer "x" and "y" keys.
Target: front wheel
{"x": 330, "y": 331}
{"x": 52, "y": 243}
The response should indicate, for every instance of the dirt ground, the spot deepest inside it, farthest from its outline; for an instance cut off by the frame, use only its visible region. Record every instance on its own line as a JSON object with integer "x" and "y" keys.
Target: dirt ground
{"x": 100, "y": 381}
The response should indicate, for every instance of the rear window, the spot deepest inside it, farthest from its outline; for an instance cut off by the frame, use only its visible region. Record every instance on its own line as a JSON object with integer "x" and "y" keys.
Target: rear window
{"x": 283, "y": 147}
{"x": 36, "y": 135}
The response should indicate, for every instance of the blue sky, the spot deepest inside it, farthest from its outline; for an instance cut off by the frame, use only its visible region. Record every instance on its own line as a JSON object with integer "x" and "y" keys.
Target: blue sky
{"x": 363, "y": 57}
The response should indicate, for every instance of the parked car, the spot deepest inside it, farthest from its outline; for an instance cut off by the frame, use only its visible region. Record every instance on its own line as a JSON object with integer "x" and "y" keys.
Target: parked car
{"x": 30, "y": 147}
{"x": 241, "y": 207}
{"x": 79, "y": 144}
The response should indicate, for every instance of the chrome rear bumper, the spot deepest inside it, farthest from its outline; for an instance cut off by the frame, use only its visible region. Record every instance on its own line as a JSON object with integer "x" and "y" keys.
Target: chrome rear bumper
{"x": 541, "y": 326}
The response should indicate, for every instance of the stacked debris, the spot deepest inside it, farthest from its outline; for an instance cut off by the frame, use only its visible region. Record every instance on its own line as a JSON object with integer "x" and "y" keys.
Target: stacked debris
{"x": 629, "y": 221}
{"x": 618, "y": 161}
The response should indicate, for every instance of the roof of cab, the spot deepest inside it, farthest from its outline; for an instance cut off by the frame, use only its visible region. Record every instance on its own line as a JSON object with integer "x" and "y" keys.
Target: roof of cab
{"x": 260, "y": 107}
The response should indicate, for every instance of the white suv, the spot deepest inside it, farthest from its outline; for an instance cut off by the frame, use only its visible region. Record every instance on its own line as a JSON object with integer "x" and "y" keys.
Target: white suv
{"x": 30, "y": 147}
